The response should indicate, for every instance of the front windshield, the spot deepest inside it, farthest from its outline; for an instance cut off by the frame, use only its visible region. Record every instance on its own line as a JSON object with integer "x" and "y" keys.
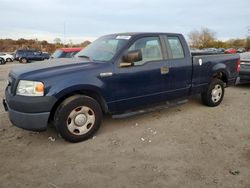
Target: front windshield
{"x": 57, "y": 54}
{"x": 103, "y": 49}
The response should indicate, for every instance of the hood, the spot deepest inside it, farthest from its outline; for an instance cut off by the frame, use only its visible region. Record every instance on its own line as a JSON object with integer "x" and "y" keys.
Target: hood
{"x": 47, "y": 68}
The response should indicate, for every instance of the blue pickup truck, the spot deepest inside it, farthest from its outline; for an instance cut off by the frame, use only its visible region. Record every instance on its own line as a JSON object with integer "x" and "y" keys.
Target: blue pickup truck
{"x": 117, "y": 74}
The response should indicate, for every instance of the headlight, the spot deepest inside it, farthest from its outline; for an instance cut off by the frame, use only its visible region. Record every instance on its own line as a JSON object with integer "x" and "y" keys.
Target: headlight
{"x": 30, "y": 88}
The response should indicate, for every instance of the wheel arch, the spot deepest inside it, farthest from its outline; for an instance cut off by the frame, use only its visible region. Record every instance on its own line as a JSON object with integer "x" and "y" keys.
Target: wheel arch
{"x": 220, "y": 72}
{"x": 221, "y": 75}
{"x": 87, "y": 92}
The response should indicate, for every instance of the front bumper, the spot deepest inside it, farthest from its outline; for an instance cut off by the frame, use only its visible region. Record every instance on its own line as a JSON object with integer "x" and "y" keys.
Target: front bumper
{"x": 28, "y": 121}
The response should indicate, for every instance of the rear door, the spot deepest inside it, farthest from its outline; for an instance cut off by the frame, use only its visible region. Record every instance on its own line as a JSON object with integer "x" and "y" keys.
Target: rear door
{"x": 37, "y": 55}
{"x": 30, "y": 55}
{"x": 180, "y": 66}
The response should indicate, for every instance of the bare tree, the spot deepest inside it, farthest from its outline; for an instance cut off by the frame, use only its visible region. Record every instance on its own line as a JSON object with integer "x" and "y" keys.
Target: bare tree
{"x": 204, "y": 38}
{"x": 57, "y": 40}
{"x": 248, "y": 40}
{"x": 194, "y": 38}
{"x": 85, "y": 43}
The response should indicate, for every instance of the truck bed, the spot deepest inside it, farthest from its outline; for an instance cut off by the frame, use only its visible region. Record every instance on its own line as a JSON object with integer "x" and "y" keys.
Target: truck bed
{"x": 204, "y": 67}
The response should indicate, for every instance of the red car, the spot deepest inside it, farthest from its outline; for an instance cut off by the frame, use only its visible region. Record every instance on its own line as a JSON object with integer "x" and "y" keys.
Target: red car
{"x": 230, "y": 51}
{"x": 65, "y": 52}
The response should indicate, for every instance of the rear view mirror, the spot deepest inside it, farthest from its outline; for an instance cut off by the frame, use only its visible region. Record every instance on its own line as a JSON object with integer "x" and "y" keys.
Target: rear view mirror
{"x": 132, "y": 56}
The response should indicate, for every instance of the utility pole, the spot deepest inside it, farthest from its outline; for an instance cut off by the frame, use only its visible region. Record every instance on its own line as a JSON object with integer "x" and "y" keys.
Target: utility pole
{"x": 64, "y": 32}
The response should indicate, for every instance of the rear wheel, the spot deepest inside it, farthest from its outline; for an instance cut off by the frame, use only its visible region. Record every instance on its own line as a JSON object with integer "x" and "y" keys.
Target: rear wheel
{"x": 214, "y": 94}
{"x": 78, "y": 118}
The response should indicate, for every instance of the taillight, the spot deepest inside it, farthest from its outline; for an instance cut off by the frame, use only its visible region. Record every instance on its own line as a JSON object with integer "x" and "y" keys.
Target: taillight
{"x": 238, "y": 66}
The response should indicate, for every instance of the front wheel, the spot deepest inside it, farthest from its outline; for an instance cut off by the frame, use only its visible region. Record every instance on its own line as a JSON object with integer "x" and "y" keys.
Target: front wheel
{"x": 214, "y": 94}
{"x": 2, "y": 61}
{"x": 78, "y": 118}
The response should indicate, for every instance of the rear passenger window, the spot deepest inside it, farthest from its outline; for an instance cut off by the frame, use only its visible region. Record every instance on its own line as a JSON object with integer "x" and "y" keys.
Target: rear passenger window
{"x": 176, "y": 47}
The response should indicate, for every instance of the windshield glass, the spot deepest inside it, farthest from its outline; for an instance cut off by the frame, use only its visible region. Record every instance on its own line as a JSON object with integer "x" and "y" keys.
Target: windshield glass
{"x": 57, "y": 54}
{"x": 103, "y": 49}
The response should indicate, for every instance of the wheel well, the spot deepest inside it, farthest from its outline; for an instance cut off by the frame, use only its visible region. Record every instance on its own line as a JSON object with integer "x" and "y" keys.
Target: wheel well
{"x": 91, "y": 94}
{"x": 221, "y": 76}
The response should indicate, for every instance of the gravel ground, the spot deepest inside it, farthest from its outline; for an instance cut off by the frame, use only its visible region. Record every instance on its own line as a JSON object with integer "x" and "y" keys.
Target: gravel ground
{"x": 187, "y": 146}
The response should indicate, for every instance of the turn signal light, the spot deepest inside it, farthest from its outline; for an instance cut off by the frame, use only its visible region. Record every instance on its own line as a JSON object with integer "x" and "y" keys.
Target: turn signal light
{"x": 40, "y": 87}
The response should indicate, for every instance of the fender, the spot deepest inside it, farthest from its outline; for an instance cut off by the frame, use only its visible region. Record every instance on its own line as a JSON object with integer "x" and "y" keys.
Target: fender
{"x": 89, "y": 90}
{"x": 220, "y": 68}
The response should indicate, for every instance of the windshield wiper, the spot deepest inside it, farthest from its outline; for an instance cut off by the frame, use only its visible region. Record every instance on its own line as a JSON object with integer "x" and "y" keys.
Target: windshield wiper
{"x": 84, "y": 56}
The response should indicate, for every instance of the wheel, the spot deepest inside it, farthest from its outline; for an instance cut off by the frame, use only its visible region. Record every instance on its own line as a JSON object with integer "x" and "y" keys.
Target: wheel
{"x": 23, "y": 60}
{"x": 78, "y": 118}
{"x": 2, "y": 61}
{"x": 214, "y": 94}
{"x": 9, "y": 60}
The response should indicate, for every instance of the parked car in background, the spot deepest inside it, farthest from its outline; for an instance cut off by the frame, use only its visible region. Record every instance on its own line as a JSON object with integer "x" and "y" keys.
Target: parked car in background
{"x": 208, "y": 51}
{"x": 25, "y": 56}
{"x": 7, "y": 57}
{"x": 241, "y": 50}
{"x": 230, "y": 51}
{"x": 221, "y": 50}
{"x": 245, "y": 67}
{"x": 65, "y": 52}
{"x": 2, "y": 61}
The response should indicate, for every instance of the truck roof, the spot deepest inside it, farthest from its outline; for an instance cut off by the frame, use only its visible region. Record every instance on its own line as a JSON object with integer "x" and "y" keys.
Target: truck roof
{"x": 144, "y": 33}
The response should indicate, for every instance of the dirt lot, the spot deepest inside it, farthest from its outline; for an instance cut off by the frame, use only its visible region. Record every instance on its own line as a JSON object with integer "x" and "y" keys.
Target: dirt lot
{"x": 186, "y": 146}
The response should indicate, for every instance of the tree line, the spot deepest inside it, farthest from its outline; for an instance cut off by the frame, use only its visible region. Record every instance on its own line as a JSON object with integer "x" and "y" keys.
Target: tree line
{"x": 203, "y": 38}
{"x": 206, "y": 38}
{"x": 10, "y": 45}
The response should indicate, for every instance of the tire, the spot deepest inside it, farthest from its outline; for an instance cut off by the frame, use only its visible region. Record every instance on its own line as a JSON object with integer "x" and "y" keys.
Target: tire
{"x": 214, "y": 94}
{"x": 9, "y": 60}
{"x": 23, "y": 60}
{"x": 78, "y": 118}
{"x": 2, "y": 62}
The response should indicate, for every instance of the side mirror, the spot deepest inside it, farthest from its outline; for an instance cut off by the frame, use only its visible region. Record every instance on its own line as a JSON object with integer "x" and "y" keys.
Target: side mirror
{"x": 131, "y": 57}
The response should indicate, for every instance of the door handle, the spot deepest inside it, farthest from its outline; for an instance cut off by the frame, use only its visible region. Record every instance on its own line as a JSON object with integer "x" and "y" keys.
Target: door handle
{"x": 164, "y": 70}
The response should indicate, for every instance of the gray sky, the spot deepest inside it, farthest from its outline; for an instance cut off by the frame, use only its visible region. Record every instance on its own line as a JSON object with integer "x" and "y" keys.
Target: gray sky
{"x": 45, "y": 19}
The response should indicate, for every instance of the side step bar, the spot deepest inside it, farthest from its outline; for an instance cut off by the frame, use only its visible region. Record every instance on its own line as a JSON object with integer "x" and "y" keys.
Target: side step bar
{"x": 152, "y": 109}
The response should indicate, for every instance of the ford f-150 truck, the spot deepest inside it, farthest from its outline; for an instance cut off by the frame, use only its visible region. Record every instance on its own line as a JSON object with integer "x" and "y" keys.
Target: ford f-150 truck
{"x": 117, "y": 74}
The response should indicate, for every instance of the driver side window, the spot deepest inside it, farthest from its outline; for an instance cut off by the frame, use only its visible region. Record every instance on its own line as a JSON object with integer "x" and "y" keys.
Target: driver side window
{"x": 150, "y": 48}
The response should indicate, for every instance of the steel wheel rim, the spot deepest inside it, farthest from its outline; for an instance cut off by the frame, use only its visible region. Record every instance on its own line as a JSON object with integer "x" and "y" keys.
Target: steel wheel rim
{"x": 216, "y": 93}
{"x": 80, "y": 120}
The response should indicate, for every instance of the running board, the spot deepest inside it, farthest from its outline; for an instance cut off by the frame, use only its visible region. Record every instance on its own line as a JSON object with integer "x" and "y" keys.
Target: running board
{"x": 152, "y": 109}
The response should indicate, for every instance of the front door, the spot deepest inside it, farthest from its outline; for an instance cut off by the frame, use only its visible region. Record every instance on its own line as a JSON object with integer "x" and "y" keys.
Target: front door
{"x": 144, "y": 83}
